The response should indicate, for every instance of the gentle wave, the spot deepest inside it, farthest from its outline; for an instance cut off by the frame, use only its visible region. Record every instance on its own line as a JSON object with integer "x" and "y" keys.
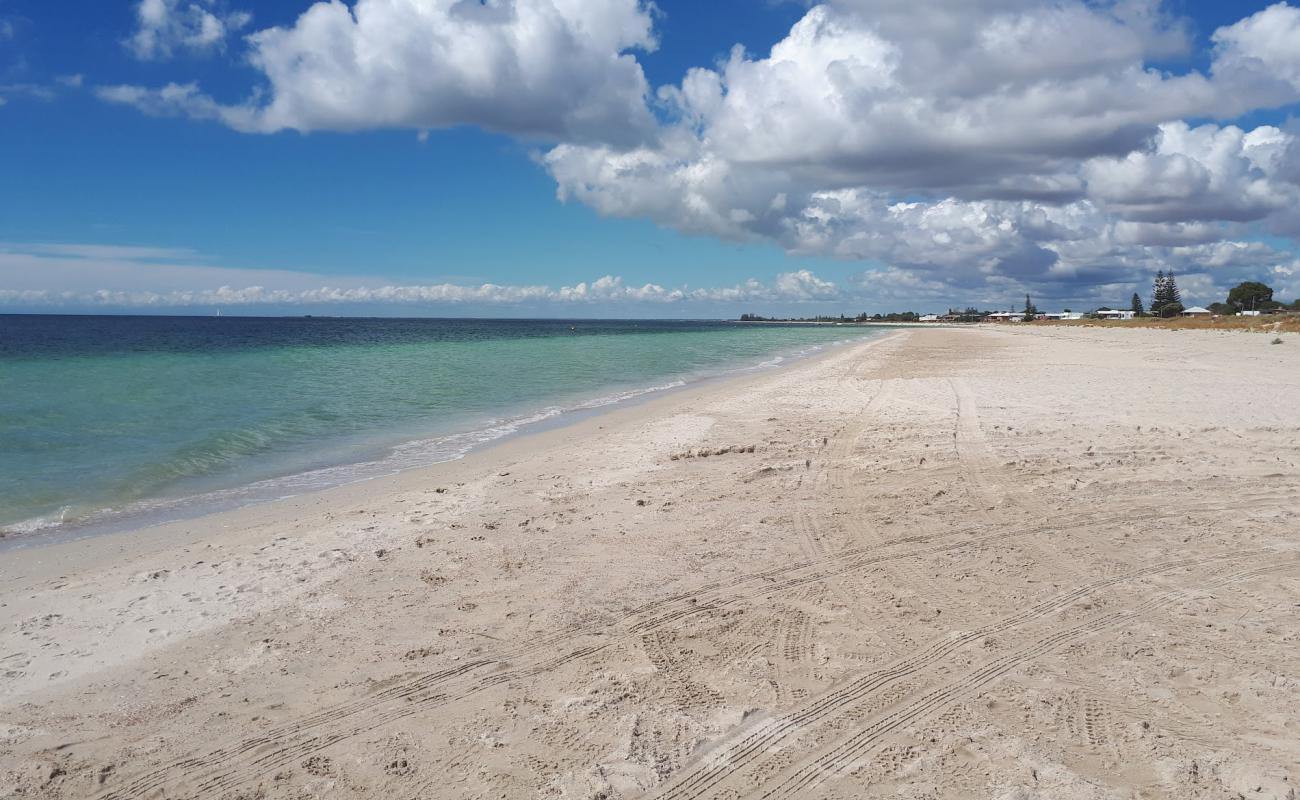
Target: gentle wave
{"x": 300, "y": 443}
{"x": 405, "y": 456}
{"x": 37, "y": 524}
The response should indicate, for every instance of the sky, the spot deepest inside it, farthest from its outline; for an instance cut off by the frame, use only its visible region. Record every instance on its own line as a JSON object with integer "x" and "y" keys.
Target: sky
{"x": 620, "y": 158}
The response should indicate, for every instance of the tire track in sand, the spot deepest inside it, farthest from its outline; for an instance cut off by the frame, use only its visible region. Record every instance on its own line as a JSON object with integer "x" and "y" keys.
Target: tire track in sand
{"x": 242, "y": 761}
{"x": 989, "y": 485}
{"x": 721, "y": 764}
{"x": 848, "y": 753}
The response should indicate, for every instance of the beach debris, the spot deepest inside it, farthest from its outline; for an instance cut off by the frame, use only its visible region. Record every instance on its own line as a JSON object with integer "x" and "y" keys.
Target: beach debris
{"x": 705, "y": 452}
{"x": 336, "y": 556}
{"x": 770, "y": 469}
{"x": 319, "y": 766}
{"x": 421, "y": 652}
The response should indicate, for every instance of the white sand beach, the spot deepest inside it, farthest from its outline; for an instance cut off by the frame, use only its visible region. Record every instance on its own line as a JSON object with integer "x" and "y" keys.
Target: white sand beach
{"x": 947, "y": 563}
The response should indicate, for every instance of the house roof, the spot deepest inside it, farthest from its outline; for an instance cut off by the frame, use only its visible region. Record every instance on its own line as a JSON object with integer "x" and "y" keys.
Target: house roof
{"x": 1196, "y": 310}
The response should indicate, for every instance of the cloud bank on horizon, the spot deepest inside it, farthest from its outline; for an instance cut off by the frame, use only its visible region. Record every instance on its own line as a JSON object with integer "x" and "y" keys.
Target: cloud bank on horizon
{"x": 961, "y": 151}
{"x": 54, "y": 275}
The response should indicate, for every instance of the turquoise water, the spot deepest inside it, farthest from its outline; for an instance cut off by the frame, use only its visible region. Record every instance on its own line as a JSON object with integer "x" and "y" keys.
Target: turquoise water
{"x": 103, "y": 418}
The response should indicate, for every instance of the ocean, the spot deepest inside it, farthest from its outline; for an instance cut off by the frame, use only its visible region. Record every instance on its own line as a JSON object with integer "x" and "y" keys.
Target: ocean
{"x": 120, "y": 421}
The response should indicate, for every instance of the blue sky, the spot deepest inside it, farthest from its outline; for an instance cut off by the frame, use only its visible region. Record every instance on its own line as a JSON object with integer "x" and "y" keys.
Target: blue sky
{"x": 464, "y": 204}
{"x": 439, "y": 190}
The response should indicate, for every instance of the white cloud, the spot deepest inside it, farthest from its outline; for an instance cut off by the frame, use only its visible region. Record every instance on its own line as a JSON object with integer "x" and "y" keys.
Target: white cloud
{"x": 36, "y": 91}
{"x": 981, "y": 147}
{"x": 787, "y": 288}
{"x": 1285, "y": 280}
{"x": 977, "y": 145}
{"x": 555, "y": 69}
{"x": 1260, "y": 55}
{"x": 95, "y": 275}
{"x": 185, "y": 99}
{"x": 1191, "y": 174}
{"x": 851, "y": 99}
{"x": 80, "y": 276}
{"x": 164, "y": 27}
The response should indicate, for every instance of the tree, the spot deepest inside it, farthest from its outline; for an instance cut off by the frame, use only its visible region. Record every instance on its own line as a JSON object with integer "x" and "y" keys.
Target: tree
{"x": 1030, "y": 310}
{"x": 1158, "y": 294}
{"x": 1165, "y": 295}
{"x": 1174, "y": 296}
{"x": 1251, "y": 296}
{"x": 1138, "y": 311}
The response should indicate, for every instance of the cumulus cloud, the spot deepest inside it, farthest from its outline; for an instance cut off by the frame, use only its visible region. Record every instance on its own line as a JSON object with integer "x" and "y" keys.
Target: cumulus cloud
{"x": 555, "y": 69}
{"x": 1260, "y": 55}
{"x": 164, "y": 27}
{"x": 1193, "y": 174}
{"x": 949, "y": 98}
{"x": 974, "y": 148}
{"x": 981, "y": 146}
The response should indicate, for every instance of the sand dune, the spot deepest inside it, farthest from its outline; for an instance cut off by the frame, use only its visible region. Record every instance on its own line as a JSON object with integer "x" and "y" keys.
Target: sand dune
{"x": 950, "y": 563}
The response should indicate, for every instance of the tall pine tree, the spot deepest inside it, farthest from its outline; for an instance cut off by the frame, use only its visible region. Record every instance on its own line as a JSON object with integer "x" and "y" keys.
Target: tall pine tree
{"x": 1137, "y": 306}
{"x": 1172, "y": 289}
{"x": 1159, "y": 296}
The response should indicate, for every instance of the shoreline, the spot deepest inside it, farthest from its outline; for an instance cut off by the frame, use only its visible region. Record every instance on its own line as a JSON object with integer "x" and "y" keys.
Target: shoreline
{"x": 75, "y": 550}
{"x": 153, "y": 512}
{"x": 1083, "y": 568}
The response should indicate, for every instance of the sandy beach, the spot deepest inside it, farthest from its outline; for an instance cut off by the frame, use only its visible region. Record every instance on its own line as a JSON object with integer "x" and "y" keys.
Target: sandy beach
{"x": 946, "y": 563}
